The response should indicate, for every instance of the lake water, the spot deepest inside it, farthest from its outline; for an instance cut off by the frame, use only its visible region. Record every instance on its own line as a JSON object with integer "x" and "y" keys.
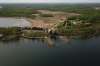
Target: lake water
{"x": 14, "y": 22}
{"x": 56, "y": 52}
{"x": 35, "y": 52}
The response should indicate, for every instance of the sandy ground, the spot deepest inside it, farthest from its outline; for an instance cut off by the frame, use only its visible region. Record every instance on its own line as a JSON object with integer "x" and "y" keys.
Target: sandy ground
{"x": 49, "y": 22}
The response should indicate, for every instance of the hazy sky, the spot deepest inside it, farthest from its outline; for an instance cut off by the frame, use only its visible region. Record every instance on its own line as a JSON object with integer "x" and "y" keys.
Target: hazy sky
{"x": 49, "y": 1}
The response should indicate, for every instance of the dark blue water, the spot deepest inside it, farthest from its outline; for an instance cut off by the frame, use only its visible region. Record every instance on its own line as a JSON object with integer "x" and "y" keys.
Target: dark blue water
{"x": 27, "y": 52}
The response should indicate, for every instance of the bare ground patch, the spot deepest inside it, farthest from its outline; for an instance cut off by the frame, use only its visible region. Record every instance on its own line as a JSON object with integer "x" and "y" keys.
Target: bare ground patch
{"x": 49, "y": 22}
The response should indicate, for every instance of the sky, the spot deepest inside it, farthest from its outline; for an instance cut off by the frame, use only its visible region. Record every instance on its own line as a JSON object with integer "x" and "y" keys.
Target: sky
{"x": 49, "y": 1}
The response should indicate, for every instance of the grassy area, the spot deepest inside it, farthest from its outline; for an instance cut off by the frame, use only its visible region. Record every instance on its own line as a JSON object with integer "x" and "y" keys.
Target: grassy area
{"x": 35, "y": 34}
{"x": 84, "y": 26}
{"x": 10, "y": 33}
{"x": 17, "y": 12}
{"x": 46, "y": 15}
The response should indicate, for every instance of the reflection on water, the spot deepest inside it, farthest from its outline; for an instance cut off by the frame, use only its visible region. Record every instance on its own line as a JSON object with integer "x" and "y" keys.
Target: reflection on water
{"x": 49, "y": 52}
{"x": 50, "y": 43}
{"x": 23, "y": 42}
